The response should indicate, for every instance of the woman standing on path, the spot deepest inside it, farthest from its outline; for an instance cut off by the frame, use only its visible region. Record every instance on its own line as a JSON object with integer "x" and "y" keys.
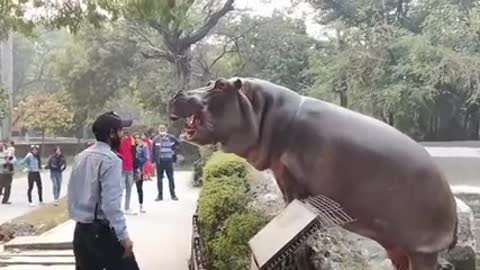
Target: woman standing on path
{"x": 149, "y": 167}
{"x": 57, "y": 164}
{"x": 7, "y": 160}
{"x": 32, "y": 164}
{"x": 141, "y": 157}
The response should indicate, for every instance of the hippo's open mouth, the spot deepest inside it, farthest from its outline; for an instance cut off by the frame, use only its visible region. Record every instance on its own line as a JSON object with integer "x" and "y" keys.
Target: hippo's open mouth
{"x": 192, "y": 123}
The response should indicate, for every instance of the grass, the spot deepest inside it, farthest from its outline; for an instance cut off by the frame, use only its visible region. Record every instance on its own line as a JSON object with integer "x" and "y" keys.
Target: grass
{"x": 46, "y": 217}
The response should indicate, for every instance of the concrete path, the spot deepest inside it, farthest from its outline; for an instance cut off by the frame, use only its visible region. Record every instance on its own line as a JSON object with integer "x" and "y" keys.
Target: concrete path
{"x": 161, "y": 236}
{"x": 19, "y": 199}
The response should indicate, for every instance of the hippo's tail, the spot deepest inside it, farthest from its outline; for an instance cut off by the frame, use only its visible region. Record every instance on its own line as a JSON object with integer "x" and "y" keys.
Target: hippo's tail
{"x": 455, "y": 235}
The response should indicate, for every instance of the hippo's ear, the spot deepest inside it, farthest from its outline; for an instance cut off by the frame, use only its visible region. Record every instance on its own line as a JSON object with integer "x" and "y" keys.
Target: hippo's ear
{"x": 221, "y": 84}
{"x": 238, "y": 84}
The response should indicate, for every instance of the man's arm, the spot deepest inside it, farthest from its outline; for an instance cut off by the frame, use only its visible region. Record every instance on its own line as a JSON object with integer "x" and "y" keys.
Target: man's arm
{"x": 154, "y": 150}
{"x": 64, "y": 164}
{"x": 49, "y": 163}
{"x": 112, "y": 197}
{"x": 176, "y": 142}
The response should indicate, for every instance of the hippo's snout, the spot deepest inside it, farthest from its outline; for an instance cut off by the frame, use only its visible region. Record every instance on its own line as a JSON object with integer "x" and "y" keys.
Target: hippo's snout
{"x": 184, "y": 106}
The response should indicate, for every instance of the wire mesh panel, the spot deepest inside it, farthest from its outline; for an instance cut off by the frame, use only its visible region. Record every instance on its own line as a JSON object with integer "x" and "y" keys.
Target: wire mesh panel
{"x": 290, "y": 229}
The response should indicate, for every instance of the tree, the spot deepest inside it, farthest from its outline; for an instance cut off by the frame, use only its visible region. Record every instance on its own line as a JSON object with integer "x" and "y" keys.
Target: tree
{"x": 175, "y": 31}
{"x": 12, "y": 18}
{"x": 91, "y": 68}
{"x": 413, "y": 65}
{"x": 168, "y": 28}
{"x": 252, "y": 46}
{"x": 45, "y": 113}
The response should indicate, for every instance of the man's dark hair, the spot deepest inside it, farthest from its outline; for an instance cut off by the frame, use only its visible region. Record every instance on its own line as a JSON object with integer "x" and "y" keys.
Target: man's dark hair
{"x": 106, "y": 123}
{"x": 102, "y": 136}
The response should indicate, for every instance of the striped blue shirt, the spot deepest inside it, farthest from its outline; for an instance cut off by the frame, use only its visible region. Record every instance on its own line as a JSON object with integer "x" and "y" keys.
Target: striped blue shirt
{"x": 164, "y": 147}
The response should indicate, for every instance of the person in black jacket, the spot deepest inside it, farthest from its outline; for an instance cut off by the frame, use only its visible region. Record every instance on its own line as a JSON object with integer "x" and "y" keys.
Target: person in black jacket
{"x": 57, "y": 164}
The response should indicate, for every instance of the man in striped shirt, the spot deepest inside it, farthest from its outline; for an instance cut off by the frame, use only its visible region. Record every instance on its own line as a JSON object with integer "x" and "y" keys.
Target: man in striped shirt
{"x": 163, "y": 155}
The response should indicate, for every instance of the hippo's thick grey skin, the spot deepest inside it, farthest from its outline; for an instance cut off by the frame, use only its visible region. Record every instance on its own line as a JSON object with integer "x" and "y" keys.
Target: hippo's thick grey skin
{"x": 380, "y": 176}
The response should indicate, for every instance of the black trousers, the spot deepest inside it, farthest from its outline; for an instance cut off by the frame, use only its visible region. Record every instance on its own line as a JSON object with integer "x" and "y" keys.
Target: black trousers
{"x": 96, "y": 247}
{"x": 167, "y": 167}
{"x": 6, "y": 186}
{"x": 139, "y": 183}
{"x": 34, "y": 178}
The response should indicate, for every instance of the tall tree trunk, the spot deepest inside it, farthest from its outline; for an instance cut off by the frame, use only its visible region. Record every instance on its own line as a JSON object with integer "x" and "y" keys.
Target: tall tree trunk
{"x": 391, "y": 119}
{"x": 183, "y": 69}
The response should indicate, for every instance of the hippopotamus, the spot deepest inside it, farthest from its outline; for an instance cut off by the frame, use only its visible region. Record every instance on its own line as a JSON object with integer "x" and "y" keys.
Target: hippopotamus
{"x": 382, "y": 178}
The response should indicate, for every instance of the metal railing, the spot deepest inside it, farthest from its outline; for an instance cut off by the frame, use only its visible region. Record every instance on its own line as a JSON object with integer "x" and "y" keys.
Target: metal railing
{"x": 197, "y": 256}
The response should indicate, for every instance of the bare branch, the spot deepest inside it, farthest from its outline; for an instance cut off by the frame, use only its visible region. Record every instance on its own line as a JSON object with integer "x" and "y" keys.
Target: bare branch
{"x": 234, "y": 40}
{"x": 153, "y": 50}
{"x": 209, "y": 24}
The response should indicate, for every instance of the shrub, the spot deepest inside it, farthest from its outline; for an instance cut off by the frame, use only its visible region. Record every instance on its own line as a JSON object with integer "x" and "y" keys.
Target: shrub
{"x": 205, "y": 154}
{"x": 221, "y": 164}
{"x": 226, "y": 221}
{"x": 219, "y": 199}
{"x": 231, "y": 246}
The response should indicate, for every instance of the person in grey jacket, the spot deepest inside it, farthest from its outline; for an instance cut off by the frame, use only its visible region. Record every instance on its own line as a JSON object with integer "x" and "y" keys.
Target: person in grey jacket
{"x": 101, "y": 239}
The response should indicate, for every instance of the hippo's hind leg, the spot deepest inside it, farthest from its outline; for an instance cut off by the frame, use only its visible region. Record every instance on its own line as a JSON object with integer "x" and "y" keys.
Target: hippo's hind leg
{"x": 423, "y": 261}
{"x": 399, "y": 258}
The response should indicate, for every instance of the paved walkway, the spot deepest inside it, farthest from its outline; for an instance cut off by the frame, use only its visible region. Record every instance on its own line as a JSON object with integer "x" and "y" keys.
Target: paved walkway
{"x": 162, "y": 236}
{"x": 19, "y": 199}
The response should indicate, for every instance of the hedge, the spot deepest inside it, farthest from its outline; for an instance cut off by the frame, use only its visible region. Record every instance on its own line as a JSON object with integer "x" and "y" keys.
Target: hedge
{"x": 226, "y": 220}
{"x": 205, "y": 154}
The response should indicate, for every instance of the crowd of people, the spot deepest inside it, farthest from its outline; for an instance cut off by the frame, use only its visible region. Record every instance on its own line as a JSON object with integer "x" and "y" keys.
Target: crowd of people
{"x": 143, "y": 157}
{"x": 32, "y": 165}
{"x": 104, "y": 173}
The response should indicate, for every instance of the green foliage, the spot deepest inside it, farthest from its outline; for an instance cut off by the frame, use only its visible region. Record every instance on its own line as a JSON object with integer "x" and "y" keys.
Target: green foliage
{"x": 255, "y": 48}
{"x": 46, "y": 113}
{"x": 12, "y": 18}
{"x": 231, "y": 249}
{"x": 416, "y": 70}
{"x": 4, "y": 102}
{"x": 226, "y": 220}
{"x": 221, "y": 164}
{"x": 205, "y": 153}
{"x": 218, "y": 200}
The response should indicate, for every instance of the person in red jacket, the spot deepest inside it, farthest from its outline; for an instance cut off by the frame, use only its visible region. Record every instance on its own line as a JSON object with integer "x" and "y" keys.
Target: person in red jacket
{"x": 127, "y": 152}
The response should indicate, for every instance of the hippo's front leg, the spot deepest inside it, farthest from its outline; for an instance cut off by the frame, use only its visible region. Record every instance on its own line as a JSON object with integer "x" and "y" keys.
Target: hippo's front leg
{"x": 288, "y": 185}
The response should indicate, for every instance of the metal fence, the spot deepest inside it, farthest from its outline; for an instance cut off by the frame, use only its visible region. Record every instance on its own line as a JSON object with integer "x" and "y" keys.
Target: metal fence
{"x": 197, "y": 256}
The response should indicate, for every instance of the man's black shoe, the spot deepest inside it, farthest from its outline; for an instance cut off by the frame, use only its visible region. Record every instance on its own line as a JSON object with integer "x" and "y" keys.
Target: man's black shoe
{"x": 159, "y": 198}
{"x": 174, "y": 198}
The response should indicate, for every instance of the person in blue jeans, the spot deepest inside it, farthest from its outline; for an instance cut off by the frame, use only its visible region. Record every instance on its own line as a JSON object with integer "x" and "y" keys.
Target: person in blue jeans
{"x": 32, "y": 164}
{"x": 57, "y": 164}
